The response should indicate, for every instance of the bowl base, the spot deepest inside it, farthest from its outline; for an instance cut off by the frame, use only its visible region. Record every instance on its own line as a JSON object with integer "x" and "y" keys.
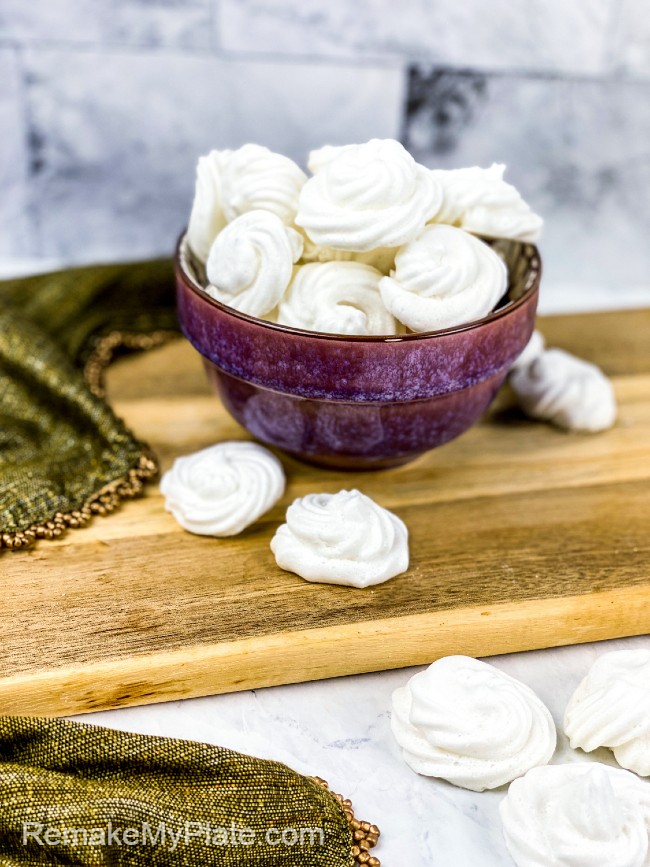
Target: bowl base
{"x": 353, "y": 463}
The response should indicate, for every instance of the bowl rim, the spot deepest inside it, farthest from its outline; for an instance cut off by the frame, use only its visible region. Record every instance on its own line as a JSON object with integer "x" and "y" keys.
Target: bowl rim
{"x": 500, "y": 312}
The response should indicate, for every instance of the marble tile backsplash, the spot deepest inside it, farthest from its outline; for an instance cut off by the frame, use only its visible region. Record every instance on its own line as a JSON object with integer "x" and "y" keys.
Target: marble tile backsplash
{"x": 545, "y": 35}
{"x": 105, "y": 106}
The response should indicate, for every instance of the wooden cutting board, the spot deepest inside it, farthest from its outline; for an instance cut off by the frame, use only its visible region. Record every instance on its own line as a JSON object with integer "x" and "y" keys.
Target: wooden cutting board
{"x": 522, "y": 537}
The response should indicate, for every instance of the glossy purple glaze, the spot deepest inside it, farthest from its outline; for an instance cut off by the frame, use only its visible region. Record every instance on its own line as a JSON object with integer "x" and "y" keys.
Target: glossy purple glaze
{"x": 357, "y": 402}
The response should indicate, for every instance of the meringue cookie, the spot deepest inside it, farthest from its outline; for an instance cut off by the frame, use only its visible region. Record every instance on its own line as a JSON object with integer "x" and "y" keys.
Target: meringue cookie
{"x": 577, "y": 815}
{"x": 232, "y": 182}
{"x": 611, "y": 708}
{"x": 532, "y": 350}
{"x": 445, "y": 277}
{"x": 256, "y": 178}
{"x": 337, "y": 298}
{"x": 469, "y": 723}
{"x": 367, "y": 196}
{"x": 343, "y": 538}
{"x": 480, "y": 201}
{"x": 207, "y": 217}
{"x": 251, "y": 262}
{"x": 560, "y": 388}
{"x": 221, "y": 490}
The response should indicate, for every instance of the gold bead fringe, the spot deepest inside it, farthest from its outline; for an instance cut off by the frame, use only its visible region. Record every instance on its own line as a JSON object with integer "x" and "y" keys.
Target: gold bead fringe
{"x": 109, "y": 497}
{"x": 106, "y": 348}
{"x": 103, "y": 502}
{"x": 365, "y": 835}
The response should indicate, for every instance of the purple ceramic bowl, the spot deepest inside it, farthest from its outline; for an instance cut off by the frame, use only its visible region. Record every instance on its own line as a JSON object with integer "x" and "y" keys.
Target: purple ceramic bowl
{"x": 358, "y": 402}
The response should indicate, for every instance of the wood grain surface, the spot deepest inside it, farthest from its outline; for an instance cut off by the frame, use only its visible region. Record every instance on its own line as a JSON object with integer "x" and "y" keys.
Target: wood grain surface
{"x": 522, "y": 536}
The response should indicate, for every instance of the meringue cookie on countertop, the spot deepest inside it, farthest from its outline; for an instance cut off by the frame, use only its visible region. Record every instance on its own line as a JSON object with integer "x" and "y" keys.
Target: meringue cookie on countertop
{"x": 367, "y": 196}
{"x": 343, "y": 538}
{"x": 221, "y": 490}
{"x": 583, "y": 814}
{"x": 565, "y": 390}
{"x": 471, "y": 724}
{"x": 251, "y": 261}
{"x": 232, "y": 182}
{"x": 611, "y": 708}
{"x": 337, "y": 298}
{"x": 445, "y": 277}
{"x": 480, "y": 201}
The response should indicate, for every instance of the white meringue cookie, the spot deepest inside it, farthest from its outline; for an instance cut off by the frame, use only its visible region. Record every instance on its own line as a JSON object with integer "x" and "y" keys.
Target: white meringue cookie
{"x": 320, "y": 156}
{"x": 367, "y": 196}
{"x": 256, "y": 178}
{"x": 577, "y": 815}
{"x": 221, "y": 490}
{"x": 480, "y": 201}
{"x": 232, "y": 182}
{"x": 337, "y": 298}
{"x": 469, "y": 723}
{"x": 445, "y": 277}
{"x": 207, "y": 217}
{"x": 611, "y": 708}
{"x": 565, "y": 390}
{"x": 532, "y": 350}
{"x": 251, "y": 262}
{"x": 343, "y": 538}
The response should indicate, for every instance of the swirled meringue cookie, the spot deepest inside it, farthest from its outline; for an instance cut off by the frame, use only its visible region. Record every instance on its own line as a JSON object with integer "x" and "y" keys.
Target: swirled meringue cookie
{"x": 469, "y": 723}
{"x": 255, "y": 178}
{"x": 611, "y": 708}
{"x": 367, "y": 196}
{"x": 251, "y": 262}
{"x": 221, "y": 490}
{"x": 445, "y": 277}
{"x": 230, "y": 183}
{"x": 207, "y": 217}
{"x": 577, "y": 815}
{"x": 565, "y": 390}
{"x": 337, "y": 298}
{"x": 343, "y": 538}
{"x": 480, "y": 201}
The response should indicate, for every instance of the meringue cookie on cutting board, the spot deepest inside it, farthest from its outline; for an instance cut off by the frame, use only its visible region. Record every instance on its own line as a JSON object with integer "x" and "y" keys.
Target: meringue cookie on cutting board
{"x": 221, "y": 490}
{"x": 343, "y": 538}
{"x": 571, "y": 393}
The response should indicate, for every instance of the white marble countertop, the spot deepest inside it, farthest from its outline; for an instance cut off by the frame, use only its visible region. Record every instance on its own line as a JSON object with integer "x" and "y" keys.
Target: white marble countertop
{"x": 340, "y": 730}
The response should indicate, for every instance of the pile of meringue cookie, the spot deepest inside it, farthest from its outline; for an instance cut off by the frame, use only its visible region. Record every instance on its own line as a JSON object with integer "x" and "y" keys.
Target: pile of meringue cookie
{"x": 467, "y": 722}
{"x": 372, "y": 243}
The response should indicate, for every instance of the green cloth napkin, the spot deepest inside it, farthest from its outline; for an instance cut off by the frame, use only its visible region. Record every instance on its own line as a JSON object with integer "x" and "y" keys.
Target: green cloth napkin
{"x": 63, "y": 453}
{"x": 71, "y": 793}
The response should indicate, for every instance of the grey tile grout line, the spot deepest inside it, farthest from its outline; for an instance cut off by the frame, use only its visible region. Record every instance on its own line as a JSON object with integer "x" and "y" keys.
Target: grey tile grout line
{"x": 31, "y": 210}
{"x": 381, "y": 61}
